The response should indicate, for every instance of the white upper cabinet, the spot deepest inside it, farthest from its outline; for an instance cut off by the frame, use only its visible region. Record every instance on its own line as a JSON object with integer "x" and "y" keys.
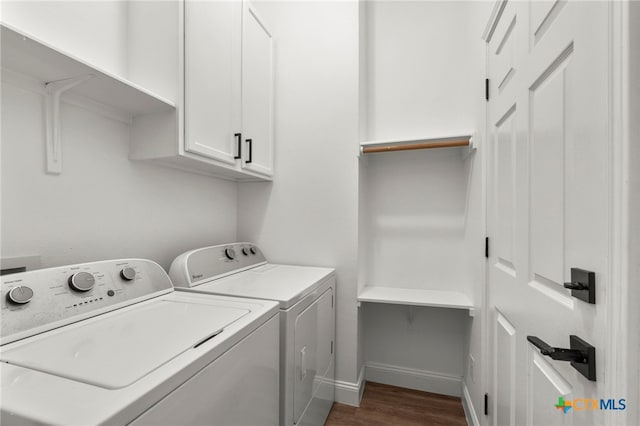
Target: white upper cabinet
{"x": 228, "y": 86}
{"x": 225, "y": 120}
{"x": 257, "y": 94}
{"x": 212, "y": 80}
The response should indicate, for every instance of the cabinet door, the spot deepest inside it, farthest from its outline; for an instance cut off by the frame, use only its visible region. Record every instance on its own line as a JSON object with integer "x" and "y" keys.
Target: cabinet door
{"x": 257, "y": 94}
{"x": 212, "y": 45}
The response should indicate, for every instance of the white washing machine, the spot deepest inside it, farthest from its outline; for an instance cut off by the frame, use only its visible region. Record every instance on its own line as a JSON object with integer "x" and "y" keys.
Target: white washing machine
{"x": 113, "y": 343}
{"x": 306, "y": 296}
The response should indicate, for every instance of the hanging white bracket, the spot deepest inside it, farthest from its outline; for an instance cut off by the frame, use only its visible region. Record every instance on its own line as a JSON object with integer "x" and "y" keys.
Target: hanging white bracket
{"x": 473, "y": 145}
{"x": 54, "y": 90}
{"x": 411, "y": 315}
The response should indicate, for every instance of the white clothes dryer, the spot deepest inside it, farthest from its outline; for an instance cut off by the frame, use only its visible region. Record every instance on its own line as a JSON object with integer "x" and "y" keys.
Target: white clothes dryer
{"x": 306, "y": 296}
{"x": 113, "y": 343}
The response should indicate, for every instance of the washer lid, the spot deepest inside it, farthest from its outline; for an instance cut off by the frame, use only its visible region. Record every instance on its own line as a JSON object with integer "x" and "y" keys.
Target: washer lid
{"x": 114, "y": 350}
{"x": 284, "y": 283}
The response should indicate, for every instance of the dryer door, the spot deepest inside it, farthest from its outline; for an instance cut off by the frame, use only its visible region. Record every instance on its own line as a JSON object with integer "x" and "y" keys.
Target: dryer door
{"x": 313, "y": 343}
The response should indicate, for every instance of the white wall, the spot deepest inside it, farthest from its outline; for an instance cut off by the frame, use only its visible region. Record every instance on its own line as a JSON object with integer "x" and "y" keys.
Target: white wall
{"x": 135, "y": 40}
{"x": 420, "y": 348}
{"x": 102, "y": 206}
{"x": 363, "y": 130}
{"x": 417, "y": 206}
{"x": 152, "y": 49}
{"x": 420, "y": 69}
{"x": 308, "y": 215}
{"x": 95, "y": 31}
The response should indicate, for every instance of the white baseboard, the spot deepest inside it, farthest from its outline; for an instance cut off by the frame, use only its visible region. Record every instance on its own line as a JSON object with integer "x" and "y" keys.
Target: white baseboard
{"x": 350, "y": 393}
{"x": 411, "y": 378}
{"x": 469, "y": 411}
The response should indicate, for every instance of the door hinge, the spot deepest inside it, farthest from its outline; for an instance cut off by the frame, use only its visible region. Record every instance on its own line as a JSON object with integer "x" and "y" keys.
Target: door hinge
{"x": 332, "y": 346}
{"x": 486, "y": 247}
{"x": 486, "y": 89}
{"x": 486, "y": 404}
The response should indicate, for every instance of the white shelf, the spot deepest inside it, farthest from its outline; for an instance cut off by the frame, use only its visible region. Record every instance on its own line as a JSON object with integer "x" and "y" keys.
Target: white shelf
{"x": 29, "y": 56}
{"x": 416, "y": 297}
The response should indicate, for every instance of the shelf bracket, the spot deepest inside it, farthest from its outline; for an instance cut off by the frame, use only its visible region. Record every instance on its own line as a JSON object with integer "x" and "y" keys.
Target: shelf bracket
{"x": 473, "y": 145}
{"x": 54, "y": 91}
{"x": 411, "y": 314}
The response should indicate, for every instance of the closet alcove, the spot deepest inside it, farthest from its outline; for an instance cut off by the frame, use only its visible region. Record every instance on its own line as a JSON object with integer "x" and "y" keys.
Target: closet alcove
{"x": 416, "y": 293}
{"x": 421, "y": 222}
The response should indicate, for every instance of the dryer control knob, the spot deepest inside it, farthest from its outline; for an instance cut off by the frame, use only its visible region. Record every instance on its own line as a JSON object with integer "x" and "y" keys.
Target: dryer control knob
{"x": 230, "y": 253}
{"x": 245, "y": 251}
{"x": 253, "y": 250}
{"x": 20, "y": 295}
{"x": 81, "y": 281}
{"x": 128, "y": 274}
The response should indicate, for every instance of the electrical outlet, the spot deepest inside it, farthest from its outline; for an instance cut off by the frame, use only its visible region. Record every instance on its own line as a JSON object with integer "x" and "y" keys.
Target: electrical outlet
{"x": 472, "y": 368}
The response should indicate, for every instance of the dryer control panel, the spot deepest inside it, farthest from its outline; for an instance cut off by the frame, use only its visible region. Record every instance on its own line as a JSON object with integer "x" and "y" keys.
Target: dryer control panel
{"x": 40, "y": 300}
{"x": 197, "y": 266}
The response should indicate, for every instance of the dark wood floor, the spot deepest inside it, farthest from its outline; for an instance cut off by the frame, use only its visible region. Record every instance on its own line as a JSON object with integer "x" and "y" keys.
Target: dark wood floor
{"x": 390, "y": 405}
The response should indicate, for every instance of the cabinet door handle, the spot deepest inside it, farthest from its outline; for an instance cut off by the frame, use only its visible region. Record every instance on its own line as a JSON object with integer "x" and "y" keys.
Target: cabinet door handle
{"x": 238, "y": 137}
{"x": 250, "y": 142}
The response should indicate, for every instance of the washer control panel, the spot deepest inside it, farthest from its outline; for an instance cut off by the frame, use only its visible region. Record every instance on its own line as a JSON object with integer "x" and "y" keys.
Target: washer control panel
{"x": 196, "y": 266}
{"x": 43, "y": 299}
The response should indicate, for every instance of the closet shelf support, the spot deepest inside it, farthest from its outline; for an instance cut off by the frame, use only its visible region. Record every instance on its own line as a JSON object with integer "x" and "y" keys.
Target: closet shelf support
{"x": 54, "y": 91}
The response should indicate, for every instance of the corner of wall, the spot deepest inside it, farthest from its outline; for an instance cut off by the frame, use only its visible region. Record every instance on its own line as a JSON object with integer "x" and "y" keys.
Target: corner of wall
{"x": 350, "y": 393}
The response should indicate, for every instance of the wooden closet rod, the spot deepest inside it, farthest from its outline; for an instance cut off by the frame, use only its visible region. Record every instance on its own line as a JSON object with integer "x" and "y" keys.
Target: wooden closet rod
{"x": 410, "y": 146}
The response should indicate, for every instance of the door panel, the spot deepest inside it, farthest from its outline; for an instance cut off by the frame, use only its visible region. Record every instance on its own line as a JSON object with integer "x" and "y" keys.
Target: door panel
{"x": 543, "y": 14}
{"x": 547, "y": 204}
{"x": 547, "y": 144}
{"x": 212, "y": 77}
{"x": 505, "y": 191}
{"x": 504, "y": 371}
{"x": 257, "y": 94}
{"x": 505, "y": 52}
{"x": 544, "y": 384}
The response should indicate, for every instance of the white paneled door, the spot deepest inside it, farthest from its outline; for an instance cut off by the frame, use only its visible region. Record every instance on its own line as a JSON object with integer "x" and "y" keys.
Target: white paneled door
{"x": 548, "y": 210}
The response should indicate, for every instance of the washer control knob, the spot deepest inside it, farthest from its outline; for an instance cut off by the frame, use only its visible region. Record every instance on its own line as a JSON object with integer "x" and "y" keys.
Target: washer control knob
{"x": 253, "y": 250}
{"x": 230, "y": 253}
{"x": 245, "y": 251}
{"x": 20, "y": 295}
{"x": 128, "y": 273}
{"x": 81, "y": 281}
